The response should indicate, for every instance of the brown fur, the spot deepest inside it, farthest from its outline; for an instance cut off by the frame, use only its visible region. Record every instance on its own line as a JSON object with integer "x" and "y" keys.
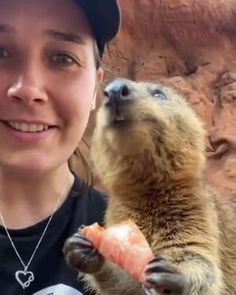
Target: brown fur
{"x": 153, "y": 170}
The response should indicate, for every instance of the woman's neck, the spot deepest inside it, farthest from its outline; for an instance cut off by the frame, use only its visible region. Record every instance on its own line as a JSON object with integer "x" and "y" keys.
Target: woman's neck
{"x": 25, "y": 201}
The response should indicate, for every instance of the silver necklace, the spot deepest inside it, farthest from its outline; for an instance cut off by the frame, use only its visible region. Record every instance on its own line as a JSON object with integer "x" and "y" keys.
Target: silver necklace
{"x": 25, "y": 277}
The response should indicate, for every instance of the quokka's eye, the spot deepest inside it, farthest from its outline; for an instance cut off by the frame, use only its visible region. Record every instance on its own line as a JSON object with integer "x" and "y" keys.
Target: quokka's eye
{"x": 159, "y": 95}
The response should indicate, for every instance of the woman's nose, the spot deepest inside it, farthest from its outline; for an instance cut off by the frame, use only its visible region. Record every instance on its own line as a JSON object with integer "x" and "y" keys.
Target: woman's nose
{"x": 28, "y": 87}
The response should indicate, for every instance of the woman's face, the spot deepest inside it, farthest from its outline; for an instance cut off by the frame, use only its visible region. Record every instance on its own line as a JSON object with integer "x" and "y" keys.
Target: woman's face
{"x": 48, "y": 82}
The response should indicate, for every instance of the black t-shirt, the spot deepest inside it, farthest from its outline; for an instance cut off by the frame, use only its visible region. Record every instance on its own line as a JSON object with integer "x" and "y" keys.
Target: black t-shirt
{"x": 52, "y": 275}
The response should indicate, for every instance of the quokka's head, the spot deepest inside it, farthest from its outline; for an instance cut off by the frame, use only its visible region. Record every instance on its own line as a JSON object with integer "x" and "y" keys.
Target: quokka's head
{"x": 140, "y": 117}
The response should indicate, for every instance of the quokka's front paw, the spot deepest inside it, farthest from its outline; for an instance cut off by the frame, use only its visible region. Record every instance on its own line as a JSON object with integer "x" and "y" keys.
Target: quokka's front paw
{"x": 164, "y": 279}
{"x": 81, "y": 255}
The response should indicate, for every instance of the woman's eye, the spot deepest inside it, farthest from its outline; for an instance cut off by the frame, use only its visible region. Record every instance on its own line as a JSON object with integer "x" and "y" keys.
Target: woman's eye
{"x": 63, "y": 59}
{"x": 4, "y": 53}
{"x": 159, "y": 95}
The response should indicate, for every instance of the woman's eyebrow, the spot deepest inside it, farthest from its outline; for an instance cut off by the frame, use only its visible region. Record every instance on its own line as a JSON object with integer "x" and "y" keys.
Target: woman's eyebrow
{"x": 66, "y": 36}
{"x": 61, "y": 36}
{"x": 5, "y": 28}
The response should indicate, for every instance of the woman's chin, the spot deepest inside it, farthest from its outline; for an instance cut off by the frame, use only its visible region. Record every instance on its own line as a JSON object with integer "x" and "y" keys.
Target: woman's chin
{"x": 30, "y": 166}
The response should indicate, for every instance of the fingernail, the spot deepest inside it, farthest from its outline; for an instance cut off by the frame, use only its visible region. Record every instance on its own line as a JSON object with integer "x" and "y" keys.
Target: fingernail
{"x": 81, "y": 227}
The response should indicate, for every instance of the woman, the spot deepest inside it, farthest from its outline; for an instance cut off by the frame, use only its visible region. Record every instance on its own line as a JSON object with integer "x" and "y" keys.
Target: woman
{"x": 49, "y": 72}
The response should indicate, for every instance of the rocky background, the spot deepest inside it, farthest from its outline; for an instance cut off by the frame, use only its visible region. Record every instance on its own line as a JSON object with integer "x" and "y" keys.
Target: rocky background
{"x": 192, "y": 46}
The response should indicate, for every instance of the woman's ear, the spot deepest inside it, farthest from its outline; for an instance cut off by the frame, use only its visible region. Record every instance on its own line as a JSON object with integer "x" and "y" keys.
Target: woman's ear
{"x": 100, "y": 74}
{"x": 99, "y": 78}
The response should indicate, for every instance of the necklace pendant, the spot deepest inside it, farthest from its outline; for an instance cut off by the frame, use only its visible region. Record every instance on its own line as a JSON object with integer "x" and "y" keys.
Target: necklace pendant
{"x": 24, "y": 278}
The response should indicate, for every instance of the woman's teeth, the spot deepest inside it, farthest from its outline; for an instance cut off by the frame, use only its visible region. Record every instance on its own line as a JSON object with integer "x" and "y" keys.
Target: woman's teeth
{"x": 24, "y": 127}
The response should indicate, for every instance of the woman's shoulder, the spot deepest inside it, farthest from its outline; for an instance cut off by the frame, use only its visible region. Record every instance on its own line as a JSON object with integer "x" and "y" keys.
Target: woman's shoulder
{"x": 88, "y": 202}
{"x": 88, "y": 193}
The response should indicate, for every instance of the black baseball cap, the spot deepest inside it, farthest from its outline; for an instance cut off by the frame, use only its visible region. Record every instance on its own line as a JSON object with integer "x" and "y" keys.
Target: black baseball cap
{"x": 104, "y": 17}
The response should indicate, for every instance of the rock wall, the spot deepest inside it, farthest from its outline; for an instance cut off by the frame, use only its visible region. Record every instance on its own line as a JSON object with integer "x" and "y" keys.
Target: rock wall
{"x": 192, "y": 46}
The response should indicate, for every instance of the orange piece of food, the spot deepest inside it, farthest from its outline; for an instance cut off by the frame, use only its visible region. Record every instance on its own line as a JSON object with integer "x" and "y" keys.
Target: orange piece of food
{"x": 123, "y": 244}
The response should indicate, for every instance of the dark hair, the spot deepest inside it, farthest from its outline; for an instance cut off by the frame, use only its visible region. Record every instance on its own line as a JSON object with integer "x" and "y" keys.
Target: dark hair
{"x": 97, "y": 56}
{"x": 79, "y": 160}
{"x": 78, "y": 157}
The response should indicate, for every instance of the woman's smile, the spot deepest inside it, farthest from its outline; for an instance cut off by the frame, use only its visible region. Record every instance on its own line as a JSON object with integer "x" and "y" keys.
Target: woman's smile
{"x": 28, "y": 132}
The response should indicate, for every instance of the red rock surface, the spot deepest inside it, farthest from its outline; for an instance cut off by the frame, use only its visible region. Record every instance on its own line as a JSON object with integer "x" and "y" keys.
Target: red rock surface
{"x": 191, "y": 45}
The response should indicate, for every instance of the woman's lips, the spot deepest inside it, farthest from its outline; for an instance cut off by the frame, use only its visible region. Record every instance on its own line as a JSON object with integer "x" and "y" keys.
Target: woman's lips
{"x": 28, "y": 131}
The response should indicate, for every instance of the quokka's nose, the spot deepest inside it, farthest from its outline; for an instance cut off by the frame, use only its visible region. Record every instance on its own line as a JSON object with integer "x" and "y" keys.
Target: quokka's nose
{"x": 118, "y": 92}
